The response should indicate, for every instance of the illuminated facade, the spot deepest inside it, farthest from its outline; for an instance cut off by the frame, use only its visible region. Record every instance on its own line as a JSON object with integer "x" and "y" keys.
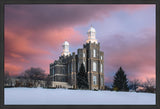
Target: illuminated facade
{"x": 63, "y": 71}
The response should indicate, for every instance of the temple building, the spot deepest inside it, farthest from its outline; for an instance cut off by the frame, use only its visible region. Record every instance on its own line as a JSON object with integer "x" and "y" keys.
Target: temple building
{"x": 63, "y": 71}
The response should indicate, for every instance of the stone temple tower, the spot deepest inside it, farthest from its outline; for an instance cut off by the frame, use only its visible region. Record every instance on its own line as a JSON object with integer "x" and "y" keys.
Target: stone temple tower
{"x": 95, "y": 61}
{"x": 64, "y": 70}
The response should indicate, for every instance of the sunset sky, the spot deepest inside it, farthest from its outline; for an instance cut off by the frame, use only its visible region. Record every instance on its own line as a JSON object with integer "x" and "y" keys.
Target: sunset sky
{"x": 34, "y": 35}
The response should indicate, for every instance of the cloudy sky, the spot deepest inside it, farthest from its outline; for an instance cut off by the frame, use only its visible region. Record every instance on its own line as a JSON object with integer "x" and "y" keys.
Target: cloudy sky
{"x": 34, "y": 35}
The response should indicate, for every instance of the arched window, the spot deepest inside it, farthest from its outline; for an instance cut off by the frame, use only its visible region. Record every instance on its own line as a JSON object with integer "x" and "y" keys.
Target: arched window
{"x": 84, "y": 63}
{"x": 101, "y": 81}
{"x": 101, "y": 68}
{"x": 101, "y": 58}
{"x": 94, "y": 53}
{"x": 53, "y": 70}
{"x": 94, "y": 80}
{"x": 94, "y": 66}
{"x": 63, "y": 71}
{"x": 83, "y": 54}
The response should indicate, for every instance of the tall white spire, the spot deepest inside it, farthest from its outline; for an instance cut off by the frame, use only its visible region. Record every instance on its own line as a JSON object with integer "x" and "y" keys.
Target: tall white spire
{"x": 91, "y": 35}
{"x": 65, "y": 49}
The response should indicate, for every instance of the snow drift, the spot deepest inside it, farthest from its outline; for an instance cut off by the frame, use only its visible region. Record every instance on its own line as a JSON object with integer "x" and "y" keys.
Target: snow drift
{"x": 40, "y": 96}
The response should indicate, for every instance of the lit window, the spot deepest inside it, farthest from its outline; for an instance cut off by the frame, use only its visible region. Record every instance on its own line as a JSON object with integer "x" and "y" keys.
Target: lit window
{"x": 94, "y": 80}
{"x": 94, "y": 53}
{"x": 83, "y": 54}
{"x": 94, "y": 66}
{"x": 101, "y": 68}
{"x": 101, "y": 81}
{"x": 84, "y": 63}
{"x": 101, "y": 58}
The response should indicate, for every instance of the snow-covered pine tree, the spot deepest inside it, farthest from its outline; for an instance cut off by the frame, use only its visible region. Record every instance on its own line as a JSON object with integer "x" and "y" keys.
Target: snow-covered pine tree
{"x": 120, "y": 81}
{"x": 82, "y": 78}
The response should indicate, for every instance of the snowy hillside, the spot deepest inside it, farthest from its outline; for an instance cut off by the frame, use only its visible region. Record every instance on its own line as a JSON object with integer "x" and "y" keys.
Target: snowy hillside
{"x": 40, "y": 96}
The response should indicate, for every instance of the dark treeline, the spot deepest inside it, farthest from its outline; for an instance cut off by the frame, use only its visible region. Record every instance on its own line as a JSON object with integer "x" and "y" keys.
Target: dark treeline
{"x": 33, "y": 74}
{"x": 36, "y": 77}
{"x": 33, "y": 77}
{"x": 148, "y": 86}
{"x": 121, "y": 83}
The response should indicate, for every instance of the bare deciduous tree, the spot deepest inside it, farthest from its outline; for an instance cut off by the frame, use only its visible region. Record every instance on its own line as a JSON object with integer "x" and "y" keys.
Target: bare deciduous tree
{"x": 7, "y": 79}
{"x": 150, "y": 85}
{"x": 49, "y": 81}
{"x": 32, "y": 75}
{"x": 134, "y": 84}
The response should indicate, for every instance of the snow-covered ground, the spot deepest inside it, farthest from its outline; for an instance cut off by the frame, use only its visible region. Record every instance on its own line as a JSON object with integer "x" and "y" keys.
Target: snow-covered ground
{"x": 40, "y": 96}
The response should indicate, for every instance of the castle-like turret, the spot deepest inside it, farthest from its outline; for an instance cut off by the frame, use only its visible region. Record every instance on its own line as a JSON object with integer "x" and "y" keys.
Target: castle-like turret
{"x": 65, "y": 49}
{"x": 64, "y": 70}
{"x": 91, "y": 35}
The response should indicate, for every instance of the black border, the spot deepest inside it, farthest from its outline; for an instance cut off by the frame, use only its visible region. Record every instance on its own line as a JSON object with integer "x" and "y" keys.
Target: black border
{"x": 4, "y": 2}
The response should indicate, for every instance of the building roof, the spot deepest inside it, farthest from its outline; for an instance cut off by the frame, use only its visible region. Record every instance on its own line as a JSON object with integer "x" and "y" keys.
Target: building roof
{"x": 66, "y": 43}
{"x": 92, "y": 29}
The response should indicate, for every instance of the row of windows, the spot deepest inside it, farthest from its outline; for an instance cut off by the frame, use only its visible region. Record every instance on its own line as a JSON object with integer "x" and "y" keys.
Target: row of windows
{"x": 95, "y": 67}
{"x": 60, "y": 79}
{"x": 62, "y": 70}
{"x": 59, "y": 86}
{"x": 95, "y": 80}
{"x": 94, "y": 54}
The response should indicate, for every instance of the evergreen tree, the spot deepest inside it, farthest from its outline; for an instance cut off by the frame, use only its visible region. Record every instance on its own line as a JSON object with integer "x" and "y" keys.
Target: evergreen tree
{"x": 82, "y": 78}
{"x": 120, "y": 81}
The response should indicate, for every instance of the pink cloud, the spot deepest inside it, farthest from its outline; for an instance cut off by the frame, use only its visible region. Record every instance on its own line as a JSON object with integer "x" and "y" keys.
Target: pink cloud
{"x": 40, "y": 30}
{"x": 55, "y": 37}
{"x": 135, "y": 55}
{"x": 12, "y": 69}
{"x": 40, "y": 17}
{"x": 35, "y": 50}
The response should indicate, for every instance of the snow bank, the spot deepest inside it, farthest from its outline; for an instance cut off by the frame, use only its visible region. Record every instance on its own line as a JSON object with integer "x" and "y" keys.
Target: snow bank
{"x": 40, "y": 96}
